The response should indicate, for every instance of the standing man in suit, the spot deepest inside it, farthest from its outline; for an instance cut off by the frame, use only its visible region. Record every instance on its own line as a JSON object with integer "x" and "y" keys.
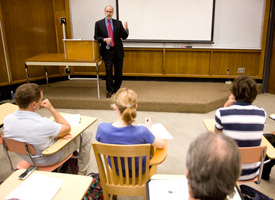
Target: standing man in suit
{"x": 108, "y": 32}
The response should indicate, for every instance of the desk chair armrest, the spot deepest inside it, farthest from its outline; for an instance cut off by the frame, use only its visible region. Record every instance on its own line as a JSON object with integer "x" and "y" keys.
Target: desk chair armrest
{"x": 159, "y": 155}
{"x": 270, "y": 149}
{"x": 209, "y": 125}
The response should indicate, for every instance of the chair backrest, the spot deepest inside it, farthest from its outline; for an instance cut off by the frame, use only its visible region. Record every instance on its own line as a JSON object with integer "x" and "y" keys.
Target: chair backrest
{"x": 122, "y": 178}
{"x": 17, "y": 147}
{"x": 253, "y": 155}
{"x": 26, "y": 149}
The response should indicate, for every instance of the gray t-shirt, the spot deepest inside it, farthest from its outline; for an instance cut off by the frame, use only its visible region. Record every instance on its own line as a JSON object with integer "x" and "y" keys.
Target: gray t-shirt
{"x": 30, "y": 127}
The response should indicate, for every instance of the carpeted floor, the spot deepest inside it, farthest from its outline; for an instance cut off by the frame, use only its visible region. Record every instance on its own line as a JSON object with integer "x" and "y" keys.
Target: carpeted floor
{"x": 184, "y": 97}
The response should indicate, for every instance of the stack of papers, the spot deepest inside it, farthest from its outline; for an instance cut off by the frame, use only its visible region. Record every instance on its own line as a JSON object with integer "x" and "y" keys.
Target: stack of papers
{"x": 35, "y": 187}
{"x": 73, "y": 120}
{"x": 162, "y": 131}
{"x": 175, "y": 189}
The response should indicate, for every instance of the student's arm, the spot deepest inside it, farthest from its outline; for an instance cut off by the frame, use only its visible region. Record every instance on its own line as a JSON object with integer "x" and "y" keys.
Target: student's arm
{"x": 231, "y": 100}
{"x": 158, "y": 142}
{"x": 65, "y": 126}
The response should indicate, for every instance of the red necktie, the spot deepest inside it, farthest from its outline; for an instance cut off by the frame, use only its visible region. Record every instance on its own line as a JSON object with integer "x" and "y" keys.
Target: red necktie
{"x": 110, "y": 32}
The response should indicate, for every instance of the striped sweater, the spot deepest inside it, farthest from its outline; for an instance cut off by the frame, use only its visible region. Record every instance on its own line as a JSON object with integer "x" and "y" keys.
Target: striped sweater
{"x": 244, "y": 123}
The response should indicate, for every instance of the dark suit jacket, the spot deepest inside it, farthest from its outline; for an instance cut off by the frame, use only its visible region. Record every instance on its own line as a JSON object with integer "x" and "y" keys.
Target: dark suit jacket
{"x": 118, "y": 33}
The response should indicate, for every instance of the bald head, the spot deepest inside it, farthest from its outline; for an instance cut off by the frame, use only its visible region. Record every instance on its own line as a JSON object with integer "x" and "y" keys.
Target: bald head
{"x": 213, "y": 164}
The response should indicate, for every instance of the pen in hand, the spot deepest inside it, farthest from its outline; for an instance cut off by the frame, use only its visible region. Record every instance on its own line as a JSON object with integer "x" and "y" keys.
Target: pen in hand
{"x": 148, "y": 122}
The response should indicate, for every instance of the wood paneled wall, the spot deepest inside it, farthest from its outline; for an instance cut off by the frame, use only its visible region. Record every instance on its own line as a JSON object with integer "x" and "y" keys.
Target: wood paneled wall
{"x": 197, "y": 63}
{"x": 187, "y": 63}
{"x": 3, "y": 62}
{"x": 200, "y": 63}
{"x": 271, "y": 79}
{"x": 28, "y": 33}
{"x": 30, "y": 28}
{"x": 232, "y": 60}
{"x": 143, "y": 62}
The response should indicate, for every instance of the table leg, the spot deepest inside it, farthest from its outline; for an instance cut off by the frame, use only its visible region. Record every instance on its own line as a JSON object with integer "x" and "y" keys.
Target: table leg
{"x": 97, "y": 76}
{"x": 68, "y": 71}
{"x": 46, "y": 73}
{"x": 27, "y": 74}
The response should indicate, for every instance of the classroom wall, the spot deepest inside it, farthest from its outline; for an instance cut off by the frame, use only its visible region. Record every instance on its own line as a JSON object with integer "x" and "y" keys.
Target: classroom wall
{"x": 34, "y": 28}
{"x": 29, "y": 28}
{"x": 237, "y": 25}
{"x": 238, "y": 40}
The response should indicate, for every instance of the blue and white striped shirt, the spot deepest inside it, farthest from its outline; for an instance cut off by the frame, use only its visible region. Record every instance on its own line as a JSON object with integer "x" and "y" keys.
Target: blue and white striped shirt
{"x": 244, "y": 123}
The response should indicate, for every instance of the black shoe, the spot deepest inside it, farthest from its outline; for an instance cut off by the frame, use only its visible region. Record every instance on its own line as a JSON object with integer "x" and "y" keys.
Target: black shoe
{"x": 109, "y": 94}
{"x": 267, "y": 178}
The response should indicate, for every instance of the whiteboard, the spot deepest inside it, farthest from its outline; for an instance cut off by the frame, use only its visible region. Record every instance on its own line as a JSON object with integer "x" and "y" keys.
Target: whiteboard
{"x": 84, "y": 14}
{"x": 173, "y": 20}
{"x": 238, "y": 23}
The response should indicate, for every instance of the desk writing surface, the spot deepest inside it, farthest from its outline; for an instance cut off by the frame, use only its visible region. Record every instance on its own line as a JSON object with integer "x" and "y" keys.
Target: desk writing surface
{"x": 210, "y": 124}
{"x": 73, "y": 186}
{"x": 75, "y": 131}
{"x": 56, "y": 57}
{"x": 270, "y": 149}
{"x": 6, "y": 109}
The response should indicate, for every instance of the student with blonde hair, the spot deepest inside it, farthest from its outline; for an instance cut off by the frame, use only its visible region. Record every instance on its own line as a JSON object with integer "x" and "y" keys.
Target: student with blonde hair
{"x": 122, "y": 131}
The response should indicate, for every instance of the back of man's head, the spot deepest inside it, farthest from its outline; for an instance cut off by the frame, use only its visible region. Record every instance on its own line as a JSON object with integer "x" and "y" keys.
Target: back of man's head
{"x": 26, "y": 94}
{"x": 244, "y": 88}
{"x": 213, "y": 164}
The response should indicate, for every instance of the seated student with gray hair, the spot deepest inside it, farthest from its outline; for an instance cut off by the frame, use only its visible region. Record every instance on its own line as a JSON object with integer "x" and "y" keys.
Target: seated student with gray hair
{"x": 213, "y": 167}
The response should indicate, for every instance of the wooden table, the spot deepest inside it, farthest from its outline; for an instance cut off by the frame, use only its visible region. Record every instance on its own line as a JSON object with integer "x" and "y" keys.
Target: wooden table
{"x": 55, "y": 59}
{"x": 210, "y": 124}
{"x": 6, "y": 109}
{"x": 73, "y": 186}
{"x": 75, "y": 131}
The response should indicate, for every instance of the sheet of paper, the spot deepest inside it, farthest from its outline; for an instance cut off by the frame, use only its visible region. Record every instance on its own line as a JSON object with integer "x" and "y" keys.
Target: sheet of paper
{"x": 176, "y": 189}
{"x": 162, "y": 131}
{"x": 272, "y": 116}
{"x": 74, "y": 120}
{"x": 36, "y": 186}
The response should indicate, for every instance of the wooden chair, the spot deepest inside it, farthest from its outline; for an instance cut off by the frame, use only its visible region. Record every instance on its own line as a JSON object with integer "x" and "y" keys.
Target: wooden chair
{"x": 253, "y": 155}
{"x": 26, "y": 149}
{"x": 126, "y": 184}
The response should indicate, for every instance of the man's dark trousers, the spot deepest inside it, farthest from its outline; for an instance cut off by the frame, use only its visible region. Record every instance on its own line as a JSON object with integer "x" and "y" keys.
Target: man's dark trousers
{"x": 111, "y": 60}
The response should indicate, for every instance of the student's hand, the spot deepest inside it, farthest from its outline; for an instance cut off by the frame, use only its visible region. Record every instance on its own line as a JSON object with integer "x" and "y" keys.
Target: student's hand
{"x": 67, "y": 137}
{"x": 46, "y": 104}
{"x": 273, "y": 133}
{"x": 148, "y": 123}
{"x": 231, "y": 100}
